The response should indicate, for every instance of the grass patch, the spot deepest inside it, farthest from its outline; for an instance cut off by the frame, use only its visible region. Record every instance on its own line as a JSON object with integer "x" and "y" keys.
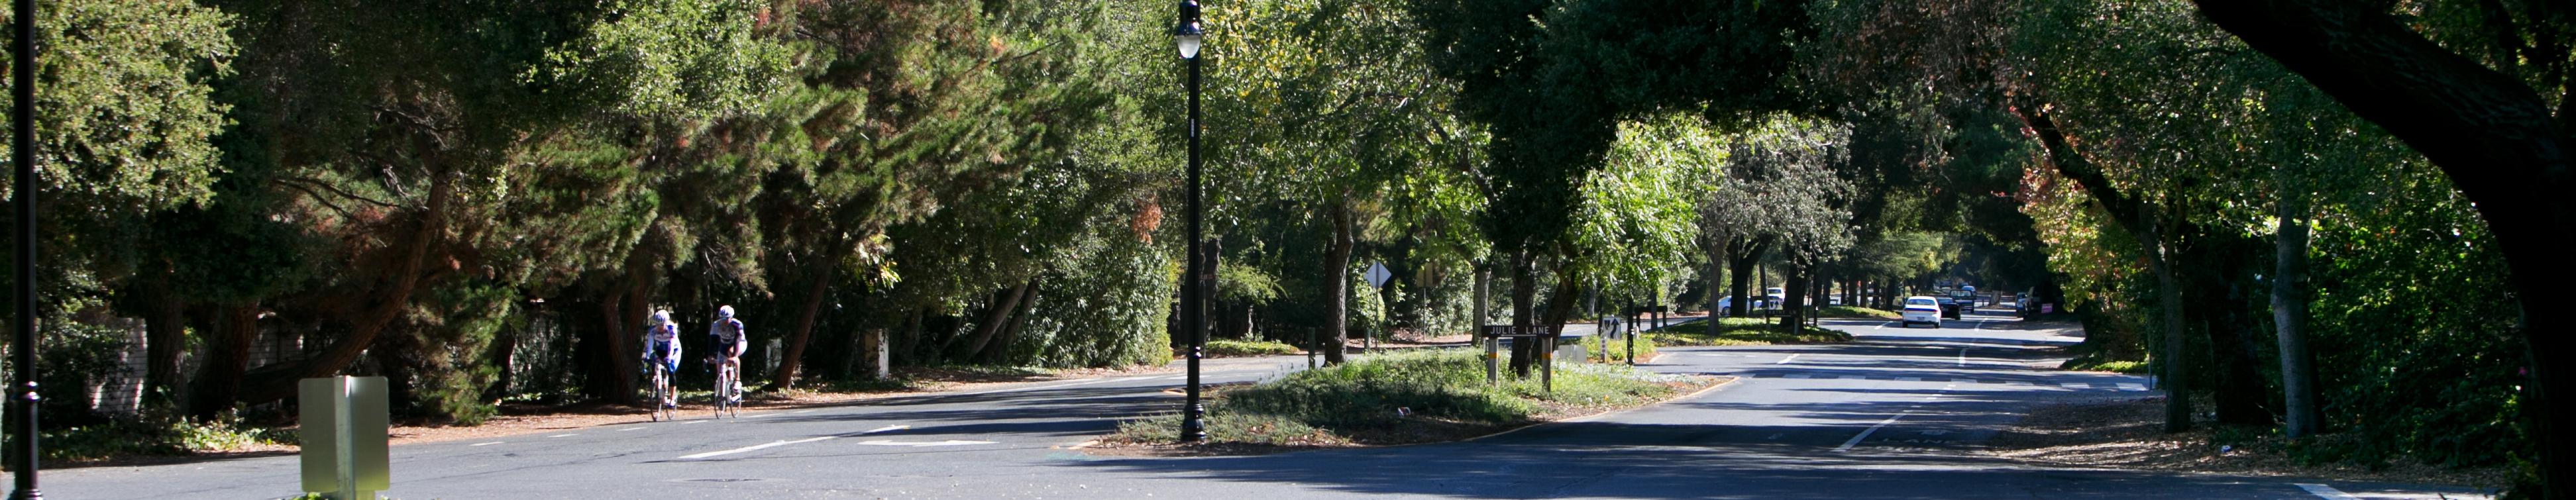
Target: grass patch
{"x": 1232, "y": 348}
{"x": 1407, "y": 397}
{"x": 1618, "y": 351}
{"x": 1854, "y": 312}
{"x": 1742, "y": 331}
{"x": 137, "y": 438}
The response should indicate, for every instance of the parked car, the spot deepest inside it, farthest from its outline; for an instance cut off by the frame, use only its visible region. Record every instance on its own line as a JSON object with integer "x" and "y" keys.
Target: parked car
{"x": 1921, "y": 309}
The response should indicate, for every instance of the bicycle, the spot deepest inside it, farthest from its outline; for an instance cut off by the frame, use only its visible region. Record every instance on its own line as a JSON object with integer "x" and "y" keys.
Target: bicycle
{"x": 728, "y": 394}
{"x": 665, "y": 407}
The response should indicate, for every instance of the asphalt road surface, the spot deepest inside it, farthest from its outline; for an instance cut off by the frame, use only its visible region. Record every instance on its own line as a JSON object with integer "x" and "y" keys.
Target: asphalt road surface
{"x": 1896, "y": 415}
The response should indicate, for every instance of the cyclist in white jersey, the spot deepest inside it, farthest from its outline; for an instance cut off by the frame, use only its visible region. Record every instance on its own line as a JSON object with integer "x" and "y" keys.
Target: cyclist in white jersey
{"x": 662, "y": 343}
{"x": 729, "y": 342}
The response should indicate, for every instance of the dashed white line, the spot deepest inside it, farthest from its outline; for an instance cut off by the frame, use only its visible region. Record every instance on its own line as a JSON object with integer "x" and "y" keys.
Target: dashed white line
{"x": 487, "y": 444}
{"x": 756, "y": 447}
{"x": 2076, "y": 385}
{"x": 1963, "y": 356}
{"x": 630, "y": 429}
{"x": 2133, "y": 387}
{"x": 1786, "y": 360}
{"x": 2325, "y": 492}
{"x": 774, "y": 444}
{"x": 563, "y": 435}
{"x": 1855, "y": 440}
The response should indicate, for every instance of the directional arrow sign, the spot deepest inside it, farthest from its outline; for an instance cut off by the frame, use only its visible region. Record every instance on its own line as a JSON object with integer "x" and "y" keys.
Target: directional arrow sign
{"x": 1377, "y": 274}
{"x": 919, "y": 444}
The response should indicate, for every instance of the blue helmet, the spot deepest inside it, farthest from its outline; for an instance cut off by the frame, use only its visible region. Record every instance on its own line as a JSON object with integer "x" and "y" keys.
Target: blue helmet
{"x": 724, "y": 312}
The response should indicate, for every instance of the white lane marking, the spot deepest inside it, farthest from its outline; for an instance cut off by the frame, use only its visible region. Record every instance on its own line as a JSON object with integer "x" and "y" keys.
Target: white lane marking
{"x": 1784, "y": 361}
{"x": 1043, "y": 387}
{"x": 1855, "y": 440}
{"x": 1881, "y": 326}
{"x": 563, "y": 435}
{"x": 487, "y": 444}
{"x": 2133, "y": 387}
{"x": 1800, "y": 375}
{"x": 2325, "y": 492}
{"x": 2076, "y": 385}
{"x": 800, "y": 411}
{"x": 756, "y": 447}
{"x": 919, "y": 444}
{"x": 1963, "y": 356}
{"x": 779, "y": 443}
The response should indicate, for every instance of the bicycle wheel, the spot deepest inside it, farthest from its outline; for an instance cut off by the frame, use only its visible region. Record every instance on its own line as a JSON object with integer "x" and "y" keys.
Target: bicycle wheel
{"x": 724, "y": 391}
{"x": 662, "y": 407}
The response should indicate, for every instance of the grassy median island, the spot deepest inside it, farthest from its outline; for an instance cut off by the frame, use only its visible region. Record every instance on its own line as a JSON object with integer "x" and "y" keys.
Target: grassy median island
{"x": 1743, "y": 331}
{"x": 1398, "y": 398}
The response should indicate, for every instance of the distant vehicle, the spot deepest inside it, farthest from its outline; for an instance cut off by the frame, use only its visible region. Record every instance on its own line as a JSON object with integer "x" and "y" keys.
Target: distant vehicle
{"x": 1775, "y": 297}
{"x": 1921, "y": 309}
{"x": 1966, "y": 298}
{"x": 1948, "y": 304}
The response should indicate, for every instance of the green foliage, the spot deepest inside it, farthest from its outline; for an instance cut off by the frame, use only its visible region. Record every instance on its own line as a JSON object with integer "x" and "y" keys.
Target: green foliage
{"x": 125, "y": 438}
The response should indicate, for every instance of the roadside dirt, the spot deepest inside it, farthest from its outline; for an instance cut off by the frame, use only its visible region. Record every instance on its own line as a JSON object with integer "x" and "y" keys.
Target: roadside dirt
{"x": 2128, "y": 434}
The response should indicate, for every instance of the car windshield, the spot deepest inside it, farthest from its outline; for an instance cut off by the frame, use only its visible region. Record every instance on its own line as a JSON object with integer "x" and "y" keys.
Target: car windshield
{"x": 1918, "y": 302}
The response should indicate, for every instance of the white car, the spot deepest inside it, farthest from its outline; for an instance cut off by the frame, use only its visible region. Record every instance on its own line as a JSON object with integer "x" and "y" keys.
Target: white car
{"x": 1921, "y": 309}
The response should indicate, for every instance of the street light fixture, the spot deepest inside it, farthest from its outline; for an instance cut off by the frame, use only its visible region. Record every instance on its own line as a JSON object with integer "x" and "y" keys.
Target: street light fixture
{"x": 1187, "y": 36}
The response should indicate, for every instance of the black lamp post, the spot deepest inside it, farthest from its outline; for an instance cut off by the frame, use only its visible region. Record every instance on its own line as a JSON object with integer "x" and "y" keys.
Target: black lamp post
{"x": 1193, "y": 288}
{"x": 22, "y": 395}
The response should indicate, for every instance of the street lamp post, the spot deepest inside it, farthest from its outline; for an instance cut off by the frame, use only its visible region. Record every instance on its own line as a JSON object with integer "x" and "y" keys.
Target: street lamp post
{"x": 22, "y": 394}
{"x": 1193, "y": 288}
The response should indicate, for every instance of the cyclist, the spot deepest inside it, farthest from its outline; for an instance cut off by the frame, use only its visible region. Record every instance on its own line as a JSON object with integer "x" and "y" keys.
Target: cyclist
{"x": 729, "y": 344}
{"x": 662, "y": 345}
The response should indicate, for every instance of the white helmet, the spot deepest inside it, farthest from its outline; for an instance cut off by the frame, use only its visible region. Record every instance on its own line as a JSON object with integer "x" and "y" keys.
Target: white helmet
{"x": 661, "y": 318}
{"x": 724, "y": 312}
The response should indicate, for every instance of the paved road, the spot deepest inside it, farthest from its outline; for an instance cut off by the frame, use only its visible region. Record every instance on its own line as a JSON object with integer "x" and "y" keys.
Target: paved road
{"x": 1895, "y": 415}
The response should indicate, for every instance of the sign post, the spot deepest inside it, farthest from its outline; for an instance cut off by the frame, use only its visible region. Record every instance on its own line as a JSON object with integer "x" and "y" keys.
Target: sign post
{"x": 344, "y": 431}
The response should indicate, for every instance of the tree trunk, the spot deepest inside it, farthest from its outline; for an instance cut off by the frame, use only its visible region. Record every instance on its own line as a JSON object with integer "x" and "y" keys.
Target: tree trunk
{"x": 165, "y": 326}
{"x": 996, "y": 312}
{"x": 2290, "y": 315}
{"x": 1337, "y": 283}
{"x": 1716, "y": 278}
{"x": 2177, "y": 354}
{"x": 219, "y": 380}
{"x": 1747, "y": 253}
{"x": 1001, "y": 346}
{"x": 789, "y": 361}
{"x": 1524, "y": 291}
{"x": 274, "y": 382}
{"x": 1793, "y": 297}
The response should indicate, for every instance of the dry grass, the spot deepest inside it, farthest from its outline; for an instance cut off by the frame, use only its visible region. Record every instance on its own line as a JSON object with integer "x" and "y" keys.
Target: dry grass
{"x": 2129, "y": 434}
